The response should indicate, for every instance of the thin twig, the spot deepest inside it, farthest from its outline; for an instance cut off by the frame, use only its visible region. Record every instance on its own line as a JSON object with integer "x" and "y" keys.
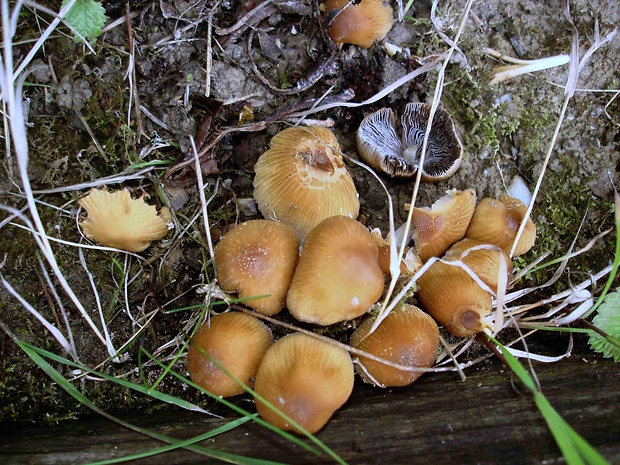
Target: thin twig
{"x": 131, "y": 71}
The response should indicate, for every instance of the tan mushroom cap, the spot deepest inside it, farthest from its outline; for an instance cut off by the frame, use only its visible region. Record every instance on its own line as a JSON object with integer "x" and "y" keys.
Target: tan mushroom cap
{"x": 360, "y": 24}
{"x": 435, "y": 229}
{"x": 306, "y": 379}
{"x": 237, "y": 342}
{"x": 258, "y": 258}
{"x": 116, "y": 220}
{"x": 378, "y": 143}
{"x": 454, "y": 299}
{"x": 409, "y": 264}
{"x": 338, "y": 277}
{"x": 407, "y": 336}
{"x": 498, "y": 221}
{"x": 302, "y": 179}
{"x": 483, "y": 259}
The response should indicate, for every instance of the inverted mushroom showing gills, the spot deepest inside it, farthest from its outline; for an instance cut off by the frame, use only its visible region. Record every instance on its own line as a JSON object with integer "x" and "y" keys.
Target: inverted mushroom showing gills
{"x": 380, "y": 146}
{"x": 116, "y": 220}
{"x": 302, "y": 179}
{"x": 360, "y": 23}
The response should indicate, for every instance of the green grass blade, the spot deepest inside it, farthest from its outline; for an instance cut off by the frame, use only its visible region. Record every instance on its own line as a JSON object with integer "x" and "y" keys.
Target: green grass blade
{"x": 259, "y": 420}
{"x": 32, "y": 352}
{"x": 574, "y": 448}
{"x": 187, "y": 442}
{"x": 171, "y": 399}
{"x": 136, "y": 387}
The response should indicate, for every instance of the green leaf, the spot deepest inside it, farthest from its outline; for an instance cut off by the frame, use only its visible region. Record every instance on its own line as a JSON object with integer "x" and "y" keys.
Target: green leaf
{"x": 87, "y": 17}
{"x": 608, "y": 320}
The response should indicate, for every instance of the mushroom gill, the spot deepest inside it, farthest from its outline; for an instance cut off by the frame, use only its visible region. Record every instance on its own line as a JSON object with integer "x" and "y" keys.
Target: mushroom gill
{"x": 379, "y": 145}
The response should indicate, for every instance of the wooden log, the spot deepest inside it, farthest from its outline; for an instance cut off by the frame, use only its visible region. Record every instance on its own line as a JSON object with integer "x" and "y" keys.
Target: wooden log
{"x": 486, "y": 419}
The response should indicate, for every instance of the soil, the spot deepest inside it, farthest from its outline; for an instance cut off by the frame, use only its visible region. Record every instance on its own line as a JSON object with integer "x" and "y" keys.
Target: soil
{"x": 79, "y": 132}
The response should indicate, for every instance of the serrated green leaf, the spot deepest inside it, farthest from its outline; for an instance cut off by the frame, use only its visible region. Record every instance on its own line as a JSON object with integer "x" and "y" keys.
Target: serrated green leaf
{"x": 87, "y": 17}
{"x": 608, "y": 320}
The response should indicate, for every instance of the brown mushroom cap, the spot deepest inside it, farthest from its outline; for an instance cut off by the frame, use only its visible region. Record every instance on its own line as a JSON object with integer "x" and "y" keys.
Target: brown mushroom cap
{"x": 116, "y": 220}
{"x": 483, "y": 259}
{"x": 306, "y": 379}
{"x": 302, "y": 179}
{"x": 379, "y": 146}
{"x": 258, "y": 258}
{"x": 498, "y": 221}
{"x": 435, "y": 229}
{"x": 360, "y": 24}
{"x": 237, "y": 342}
{"x": 407, "y": 336}
{"x": 454, "y": 299}
{"x": 338, "y": 276}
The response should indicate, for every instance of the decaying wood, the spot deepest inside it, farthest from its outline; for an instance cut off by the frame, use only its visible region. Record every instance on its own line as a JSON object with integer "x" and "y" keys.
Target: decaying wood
{"x": 486, "y": 419}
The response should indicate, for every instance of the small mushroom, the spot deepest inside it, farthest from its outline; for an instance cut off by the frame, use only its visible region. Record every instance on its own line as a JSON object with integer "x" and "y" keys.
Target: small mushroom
{"x": 338, "y": 277}
{"x": 452, "y": 297}
{"x": 237, "y": 342}
{"x": 258, "y": 258}
{"x": 407, "y": 336}
{"x": 435, "y": 229}
{"x": 302, "y": 179}
{"x": 498, "y": 221}
{"x": 306, "y": 379}
{"x": 116, "y": 220}
{"x": 360, "y": 23}
{"x": 379, "y": 145}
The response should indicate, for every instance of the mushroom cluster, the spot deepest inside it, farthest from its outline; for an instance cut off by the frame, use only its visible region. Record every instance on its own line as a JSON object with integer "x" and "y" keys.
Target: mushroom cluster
{"x": 325, "y": 267}
{"x": 475, "y": 262}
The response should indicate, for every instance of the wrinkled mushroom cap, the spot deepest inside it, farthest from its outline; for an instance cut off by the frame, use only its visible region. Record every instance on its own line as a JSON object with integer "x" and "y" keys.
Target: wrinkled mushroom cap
{"x": 498, "y": 221}
{"x": 258, "y": 258}
{"x": 435, "y": 229}
{"x": 407, "y": 336}
{"x": 237, "y": 342}
{"x": 302, "y": 179}
{"x": 116, "y": 220}
{"x": 306, "y": 379}
{"x": 338, "y": 277}
{"x": 379, "y": 145}
{"x": 360, "y": 24}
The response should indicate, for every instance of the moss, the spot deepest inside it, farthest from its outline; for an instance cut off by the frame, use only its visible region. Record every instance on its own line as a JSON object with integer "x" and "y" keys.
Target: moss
{"x": 560, "y": 211}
